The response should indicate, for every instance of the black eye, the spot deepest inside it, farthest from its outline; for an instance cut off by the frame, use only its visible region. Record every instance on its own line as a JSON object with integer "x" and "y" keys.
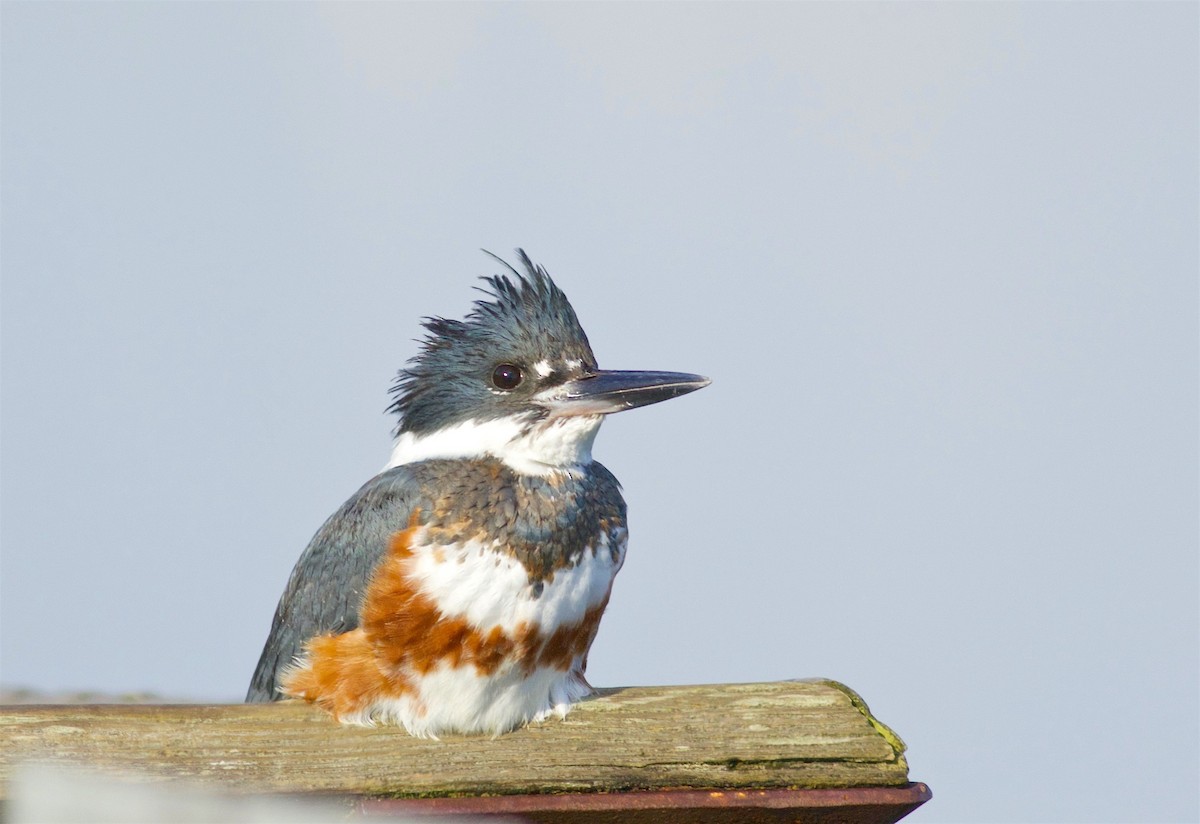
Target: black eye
{"x": 507, "y": 376}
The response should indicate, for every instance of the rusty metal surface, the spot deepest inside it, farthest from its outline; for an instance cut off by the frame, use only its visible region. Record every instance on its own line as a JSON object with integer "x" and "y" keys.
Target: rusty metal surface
{"x": 853, "y": 805}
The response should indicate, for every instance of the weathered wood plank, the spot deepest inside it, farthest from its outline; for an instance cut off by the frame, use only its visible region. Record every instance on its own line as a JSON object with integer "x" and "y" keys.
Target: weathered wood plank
{"x": 761, "y": 736}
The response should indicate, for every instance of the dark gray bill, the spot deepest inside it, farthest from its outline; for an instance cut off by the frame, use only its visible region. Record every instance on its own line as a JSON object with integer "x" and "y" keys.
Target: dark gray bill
{"x": 606, "y": 391}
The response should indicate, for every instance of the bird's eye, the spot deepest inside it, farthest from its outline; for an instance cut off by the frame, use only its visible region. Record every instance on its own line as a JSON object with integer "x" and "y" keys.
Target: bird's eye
{"x": 507, "y": 376}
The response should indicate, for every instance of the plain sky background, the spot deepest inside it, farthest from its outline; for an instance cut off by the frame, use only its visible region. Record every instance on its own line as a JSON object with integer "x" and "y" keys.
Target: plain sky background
{"x": 940, "y": 261}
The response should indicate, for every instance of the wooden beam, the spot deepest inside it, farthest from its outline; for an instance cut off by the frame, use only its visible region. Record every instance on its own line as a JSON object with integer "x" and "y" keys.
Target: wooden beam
{"x": 785, "y": 735}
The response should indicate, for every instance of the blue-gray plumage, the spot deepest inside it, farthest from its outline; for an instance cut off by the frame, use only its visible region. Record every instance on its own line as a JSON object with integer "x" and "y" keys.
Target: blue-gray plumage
{"x": 460, "y": 589}
{"x": 325, "y": 590}
{"x": 546, "y": 525}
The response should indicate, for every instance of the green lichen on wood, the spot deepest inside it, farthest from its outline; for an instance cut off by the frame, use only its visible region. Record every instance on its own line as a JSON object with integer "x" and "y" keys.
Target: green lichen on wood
{"x": 889, "y": 735}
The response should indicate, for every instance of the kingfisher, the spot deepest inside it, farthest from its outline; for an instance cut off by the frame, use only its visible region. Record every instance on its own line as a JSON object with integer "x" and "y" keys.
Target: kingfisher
{"x": 459, "y": 590}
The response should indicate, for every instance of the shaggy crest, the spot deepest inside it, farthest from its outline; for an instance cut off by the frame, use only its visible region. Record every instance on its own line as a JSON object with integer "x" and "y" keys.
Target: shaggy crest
{"x": 528, "y": 319}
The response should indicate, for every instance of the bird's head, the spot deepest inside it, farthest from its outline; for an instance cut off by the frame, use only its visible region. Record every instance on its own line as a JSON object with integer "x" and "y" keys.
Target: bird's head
{"x": 515, "y": 379}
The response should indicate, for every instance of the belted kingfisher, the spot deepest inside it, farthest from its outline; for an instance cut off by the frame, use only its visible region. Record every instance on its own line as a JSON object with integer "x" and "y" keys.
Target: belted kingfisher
{"x": 460, "y": 589}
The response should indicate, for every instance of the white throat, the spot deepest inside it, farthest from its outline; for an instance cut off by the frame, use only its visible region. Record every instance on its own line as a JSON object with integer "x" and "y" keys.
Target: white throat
{"x": 554, "y": 445}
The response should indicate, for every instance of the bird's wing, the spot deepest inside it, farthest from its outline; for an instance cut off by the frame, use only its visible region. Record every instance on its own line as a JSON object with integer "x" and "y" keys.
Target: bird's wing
{"x": 327, "y": 584}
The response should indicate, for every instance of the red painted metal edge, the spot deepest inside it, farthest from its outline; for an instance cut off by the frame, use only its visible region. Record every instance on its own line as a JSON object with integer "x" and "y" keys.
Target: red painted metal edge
{"x": 888, "y": 803}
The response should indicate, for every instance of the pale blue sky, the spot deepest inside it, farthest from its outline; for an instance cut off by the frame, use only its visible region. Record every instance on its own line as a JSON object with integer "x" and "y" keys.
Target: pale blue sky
{"x": 940, "y": 261}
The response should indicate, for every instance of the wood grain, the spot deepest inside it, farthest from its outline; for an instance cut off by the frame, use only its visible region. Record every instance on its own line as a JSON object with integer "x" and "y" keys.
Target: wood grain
{"x": 790, "y": 734}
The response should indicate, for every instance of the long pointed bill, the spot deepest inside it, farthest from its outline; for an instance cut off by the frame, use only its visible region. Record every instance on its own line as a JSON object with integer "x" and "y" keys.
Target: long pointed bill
{"x": 607, "y": 391}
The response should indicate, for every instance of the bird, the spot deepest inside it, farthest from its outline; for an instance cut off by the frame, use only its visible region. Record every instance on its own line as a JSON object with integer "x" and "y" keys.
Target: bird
{"x": 459, "y": 590}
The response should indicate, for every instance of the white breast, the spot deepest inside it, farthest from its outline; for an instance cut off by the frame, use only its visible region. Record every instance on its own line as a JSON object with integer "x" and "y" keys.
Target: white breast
{"x": 488, "y": 589}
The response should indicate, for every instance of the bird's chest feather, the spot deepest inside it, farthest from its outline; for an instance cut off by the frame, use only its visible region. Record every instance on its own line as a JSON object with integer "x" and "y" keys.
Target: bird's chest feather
{"x": 465, "y": 634}
{"x": 486, "y": 586}
{"x": 475, "y": 605}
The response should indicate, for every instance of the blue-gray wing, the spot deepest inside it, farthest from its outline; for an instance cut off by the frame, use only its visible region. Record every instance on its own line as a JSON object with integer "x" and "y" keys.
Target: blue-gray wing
{"x": 326, "y": 587}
